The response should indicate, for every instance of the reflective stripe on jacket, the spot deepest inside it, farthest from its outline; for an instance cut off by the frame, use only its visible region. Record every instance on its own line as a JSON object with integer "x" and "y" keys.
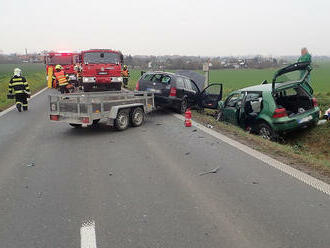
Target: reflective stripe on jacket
{"x": 125, "y": 73}
{"x": 61, "y": 78}
{"x": 18, "y": 85}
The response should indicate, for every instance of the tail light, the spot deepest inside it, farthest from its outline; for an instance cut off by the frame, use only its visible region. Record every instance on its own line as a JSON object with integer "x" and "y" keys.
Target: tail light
{"x": 173, "y": 91}
{"x": 54, "y": 117}
{"x": 85, "y": 120}
{"x": 314, "y": 102}
{"x": 280, "y": 112}
{"x": 137, "y": 85}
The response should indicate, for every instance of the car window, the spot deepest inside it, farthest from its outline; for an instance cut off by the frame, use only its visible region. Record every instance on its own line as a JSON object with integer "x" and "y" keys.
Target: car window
{"x": 194, "y": 87}
{"x": 253, "y": 102}
{"x": 252, "y": 96}
{"x": 291, "y": 92}
{"x": 179, "y": 83}
{"x": 166, "y": 79}
{"x": 156, "y": 78}
{"x": 233, "y": 100}
{"x": 147, "y": 77}
{"x": 187, "y": 84}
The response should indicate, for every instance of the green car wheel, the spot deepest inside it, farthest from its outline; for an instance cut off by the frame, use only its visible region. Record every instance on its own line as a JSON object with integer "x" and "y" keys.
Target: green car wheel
{"x": 265, "y": 131}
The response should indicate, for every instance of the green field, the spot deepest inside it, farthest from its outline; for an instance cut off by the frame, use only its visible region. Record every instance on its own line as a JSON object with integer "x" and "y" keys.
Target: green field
{"x": 236, "y": 79}
{"x": 34, "y": 73}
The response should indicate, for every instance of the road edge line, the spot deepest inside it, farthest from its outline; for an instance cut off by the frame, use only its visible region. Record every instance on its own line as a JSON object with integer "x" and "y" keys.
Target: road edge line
{"x": 7, "y": 110}
{"x": 297, "y": 174}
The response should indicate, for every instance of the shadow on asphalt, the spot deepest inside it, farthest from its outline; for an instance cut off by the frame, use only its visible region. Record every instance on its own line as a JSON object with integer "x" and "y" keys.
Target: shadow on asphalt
{"x": 101, "y": 128}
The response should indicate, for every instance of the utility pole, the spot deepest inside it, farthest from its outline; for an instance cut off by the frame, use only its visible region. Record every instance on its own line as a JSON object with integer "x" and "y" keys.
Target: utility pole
{"x": 206, "y": 70}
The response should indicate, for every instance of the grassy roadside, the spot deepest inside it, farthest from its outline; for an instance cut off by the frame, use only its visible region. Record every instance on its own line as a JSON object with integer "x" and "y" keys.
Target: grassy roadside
{"x": 34, "y": 73}
{"x": 308, "y": 161}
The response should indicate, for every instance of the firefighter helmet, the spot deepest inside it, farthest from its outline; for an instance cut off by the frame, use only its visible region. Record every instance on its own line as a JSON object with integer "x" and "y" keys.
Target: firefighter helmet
{"x": 17, "y": 72}
{"x": 58, "y": 67}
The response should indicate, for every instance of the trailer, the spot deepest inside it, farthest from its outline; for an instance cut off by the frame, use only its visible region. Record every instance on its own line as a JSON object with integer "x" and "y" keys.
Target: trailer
{"x": 117, "y": 108}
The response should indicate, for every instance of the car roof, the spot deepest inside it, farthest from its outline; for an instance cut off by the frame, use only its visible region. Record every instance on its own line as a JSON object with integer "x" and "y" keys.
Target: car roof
{"x": 261, "y": 87}
{"x": 165, "y": 72}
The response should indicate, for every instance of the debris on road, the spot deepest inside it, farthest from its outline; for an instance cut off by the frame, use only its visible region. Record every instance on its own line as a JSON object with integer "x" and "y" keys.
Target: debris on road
{"x": 195, "y": 130}
{"x": 209, "y": 126}
{"x": 30, "y": 164}
{"x": 255, "y": 183}
{"x": 110, "y": 174}
{"x": 321, "y": 122}
{"x": 215, "y": 170}
{"x": 159, "y": 124}
{"x": 187, "y": 153}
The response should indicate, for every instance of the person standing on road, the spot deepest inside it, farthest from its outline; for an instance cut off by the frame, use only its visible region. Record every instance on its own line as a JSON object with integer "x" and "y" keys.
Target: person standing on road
{"x": 125, "y": 74}
{"x": 19, "y": 89}
{"x": 61, "y": 78}
{"x": 305, "y": 56}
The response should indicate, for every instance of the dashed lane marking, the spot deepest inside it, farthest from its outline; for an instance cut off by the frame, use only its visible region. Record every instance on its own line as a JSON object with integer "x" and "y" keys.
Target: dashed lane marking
{"x": 87, "y": 234}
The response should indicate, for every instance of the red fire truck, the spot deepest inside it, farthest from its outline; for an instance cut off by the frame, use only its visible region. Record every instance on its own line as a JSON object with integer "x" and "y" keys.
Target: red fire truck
{"x": 67, "y": 60}
{"x": 101, "y": 69}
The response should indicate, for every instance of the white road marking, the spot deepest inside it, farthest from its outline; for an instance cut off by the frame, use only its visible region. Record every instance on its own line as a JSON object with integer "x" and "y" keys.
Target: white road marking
{"x": 87, "y": 235}
{"x": 14, "y": 106}
{"x": 301, "y": 176}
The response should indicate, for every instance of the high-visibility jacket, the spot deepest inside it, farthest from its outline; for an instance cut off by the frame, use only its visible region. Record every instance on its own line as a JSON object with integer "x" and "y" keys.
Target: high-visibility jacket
{"x": 61, "y": 78}
{"x": 125, "y": 73}
{"x": 18, "y": 85}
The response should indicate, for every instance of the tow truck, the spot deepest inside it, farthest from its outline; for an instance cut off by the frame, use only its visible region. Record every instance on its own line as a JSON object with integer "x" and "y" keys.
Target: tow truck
{"x": 101, "y": 70}
{"x": 67, "y": 60}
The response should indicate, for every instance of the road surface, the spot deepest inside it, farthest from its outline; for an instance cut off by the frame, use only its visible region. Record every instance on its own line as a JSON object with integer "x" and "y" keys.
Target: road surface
{"x": 142, "y": 188}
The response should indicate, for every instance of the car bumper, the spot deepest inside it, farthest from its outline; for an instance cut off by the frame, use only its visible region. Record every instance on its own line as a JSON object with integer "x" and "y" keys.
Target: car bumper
{"x": 164, "y": 101}
{"x": 288, "y": 124}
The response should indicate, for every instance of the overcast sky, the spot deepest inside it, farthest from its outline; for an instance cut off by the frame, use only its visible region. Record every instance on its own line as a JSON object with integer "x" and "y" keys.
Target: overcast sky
{"x": 152, "y": 27}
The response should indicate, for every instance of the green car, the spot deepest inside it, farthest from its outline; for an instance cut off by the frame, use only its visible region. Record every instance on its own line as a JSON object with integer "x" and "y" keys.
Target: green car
{"x": 276, "y": 108}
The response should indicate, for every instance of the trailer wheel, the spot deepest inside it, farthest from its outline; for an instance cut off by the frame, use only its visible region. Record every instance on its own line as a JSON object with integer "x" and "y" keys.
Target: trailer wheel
{"x": 137, "y": 117}
{"x": 122, "y": 120}
{"x": 75, "y": 125}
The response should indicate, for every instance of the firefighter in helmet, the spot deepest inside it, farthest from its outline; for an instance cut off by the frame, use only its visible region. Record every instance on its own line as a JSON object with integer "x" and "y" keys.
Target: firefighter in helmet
{"x": 19, "y": 89}
{"x": 125, "y": 74}
{"x": 61, "y": 79}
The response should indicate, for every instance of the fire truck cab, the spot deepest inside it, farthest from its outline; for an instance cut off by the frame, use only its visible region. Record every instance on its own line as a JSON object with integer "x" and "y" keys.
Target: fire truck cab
{"x": 101, "y": 70}
{"x": 69, "y": 62}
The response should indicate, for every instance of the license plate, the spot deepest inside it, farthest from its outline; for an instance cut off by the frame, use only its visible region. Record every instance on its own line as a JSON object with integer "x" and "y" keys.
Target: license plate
{"x": 306, "y": 119}
{"x": 103, "y": 73}
{"x": 153, "y": 90}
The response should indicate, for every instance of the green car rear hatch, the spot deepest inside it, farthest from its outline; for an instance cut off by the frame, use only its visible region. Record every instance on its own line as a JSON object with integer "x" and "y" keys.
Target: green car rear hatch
{"x": 291, "y": 76}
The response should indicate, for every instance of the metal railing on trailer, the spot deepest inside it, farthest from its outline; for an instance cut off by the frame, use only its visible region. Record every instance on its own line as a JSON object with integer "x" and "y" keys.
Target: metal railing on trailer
{"x": 90, "y": 107}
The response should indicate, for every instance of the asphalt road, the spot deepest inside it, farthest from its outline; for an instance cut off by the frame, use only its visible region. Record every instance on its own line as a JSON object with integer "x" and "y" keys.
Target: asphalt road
{"x": 142, "y": 188}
